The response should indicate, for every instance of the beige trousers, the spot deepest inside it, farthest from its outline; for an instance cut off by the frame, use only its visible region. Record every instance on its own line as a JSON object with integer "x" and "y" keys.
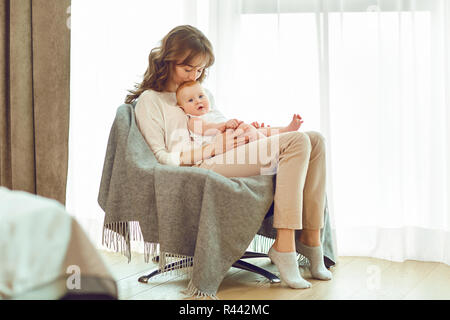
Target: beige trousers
{"x": 298, "y": 159}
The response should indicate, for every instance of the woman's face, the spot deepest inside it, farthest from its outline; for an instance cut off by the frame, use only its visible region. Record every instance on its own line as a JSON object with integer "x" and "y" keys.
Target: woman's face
{"x": 190, "y": 72}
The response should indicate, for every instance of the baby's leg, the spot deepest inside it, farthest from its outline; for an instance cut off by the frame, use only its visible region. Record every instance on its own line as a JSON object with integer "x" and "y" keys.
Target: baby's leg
{"x": 250, "y": 131}
{"x": 269, "y": 131}
{"x": 261, "y": 134}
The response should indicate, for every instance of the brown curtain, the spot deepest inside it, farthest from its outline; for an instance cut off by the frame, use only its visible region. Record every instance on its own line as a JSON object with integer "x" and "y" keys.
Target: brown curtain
{"x": 34, "y": 96}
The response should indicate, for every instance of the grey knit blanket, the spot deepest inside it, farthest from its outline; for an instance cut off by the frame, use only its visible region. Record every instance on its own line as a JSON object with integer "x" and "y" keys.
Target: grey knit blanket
{"x": 183, "y": 211}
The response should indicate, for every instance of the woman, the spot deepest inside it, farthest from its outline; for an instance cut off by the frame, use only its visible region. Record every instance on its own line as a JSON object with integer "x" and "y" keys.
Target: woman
{"x": 185, "y": 54}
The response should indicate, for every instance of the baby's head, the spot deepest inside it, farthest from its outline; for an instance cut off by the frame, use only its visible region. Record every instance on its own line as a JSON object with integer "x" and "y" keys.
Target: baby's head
{"x": 192, "y": 98}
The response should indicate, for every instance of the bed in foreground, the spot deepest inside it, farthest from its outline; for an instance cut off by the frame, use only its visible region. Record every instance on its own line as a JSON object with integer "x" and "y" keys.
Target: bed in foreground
{"x": 45, "y": 254}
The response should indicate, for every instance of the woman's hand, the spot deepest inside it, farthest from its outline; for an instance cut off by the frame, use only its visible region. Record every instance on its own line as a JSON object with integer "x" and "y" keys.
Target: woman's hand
{"x": 246, "y": 130}
{"x": 228, "y": 140}
{"x": 232, "y": 124}
{"x": 243, "y": 127}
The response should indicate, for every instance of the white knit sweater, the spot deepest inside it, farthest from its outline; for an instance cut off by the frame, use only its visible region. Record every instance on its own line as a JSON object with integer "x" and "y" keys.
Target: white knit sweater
{"x": 164, "y": 125}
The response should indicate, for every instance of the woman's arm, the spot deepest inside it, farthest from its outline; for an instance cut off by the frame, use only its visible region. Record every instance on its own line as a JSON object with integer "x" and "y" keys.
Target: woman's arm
{"x": 150, "y": 123}
{"x": 190, "y": 157}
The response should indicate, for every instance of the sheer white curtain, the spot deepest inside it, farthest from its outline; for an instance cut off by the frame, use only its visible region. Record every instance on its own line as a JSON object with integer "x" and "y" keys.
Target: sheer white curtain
{"x": 389, "y": 105}
{"x": 372, "y": 76}
{"x": 387, "y": 72}
{"x": 111, "y": 40}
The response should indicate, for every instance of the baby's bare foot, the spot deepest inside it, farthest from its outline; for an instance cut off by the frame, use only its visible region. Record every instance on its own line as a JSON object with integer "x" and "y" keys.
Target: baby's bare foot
{"x": 294, "y": 125}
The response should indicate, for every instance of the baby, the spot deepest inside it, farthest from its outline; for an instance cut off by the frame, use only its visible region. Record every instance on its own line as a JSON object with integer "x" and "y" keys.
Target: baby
{"x": 195, "y": 103}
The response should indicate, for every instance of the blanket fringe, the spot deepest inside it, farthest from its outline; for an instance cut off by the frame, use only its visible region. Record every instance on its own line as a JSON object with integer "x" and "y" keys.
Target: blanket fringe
{"x": 151, "y": 250}
{"x": 261, "y": 243}
{"x": 175, "y": 264}
{"x": 117, "y": 236}
{"x": 193, "y": 292}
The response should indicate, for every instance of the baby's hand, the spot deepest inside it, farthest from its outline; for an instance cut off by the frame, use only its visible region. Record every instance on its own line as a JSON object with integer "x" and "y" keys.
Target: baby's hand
{"x": 257, "y": 125}
{"x": 232, "y": 124}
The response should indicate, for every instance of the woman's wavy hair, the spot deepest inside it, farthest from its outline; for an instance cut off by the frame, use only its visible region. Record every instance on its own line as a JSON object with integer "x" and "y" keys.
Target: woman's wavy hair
{"x": 181, "y": 41}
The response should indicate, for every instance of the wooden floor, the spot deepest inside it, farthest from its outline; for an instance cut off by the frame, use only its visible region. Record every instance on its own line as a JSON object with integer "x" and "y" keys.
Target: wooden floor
{"x": 353, "y": 278}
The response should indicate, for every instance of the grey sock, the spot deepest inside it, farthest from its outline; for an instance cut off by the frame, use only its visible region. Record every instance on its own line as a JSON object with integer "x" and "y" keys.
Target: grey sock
{"x": 287, "y": 265}
{"x": 315, "y": 257}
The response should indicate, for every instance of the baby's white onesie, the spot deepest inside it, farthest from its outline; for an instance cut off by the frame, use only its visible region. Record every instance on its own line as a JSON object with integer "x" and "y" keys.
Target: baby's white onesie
{"x": 198, "y": 138}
